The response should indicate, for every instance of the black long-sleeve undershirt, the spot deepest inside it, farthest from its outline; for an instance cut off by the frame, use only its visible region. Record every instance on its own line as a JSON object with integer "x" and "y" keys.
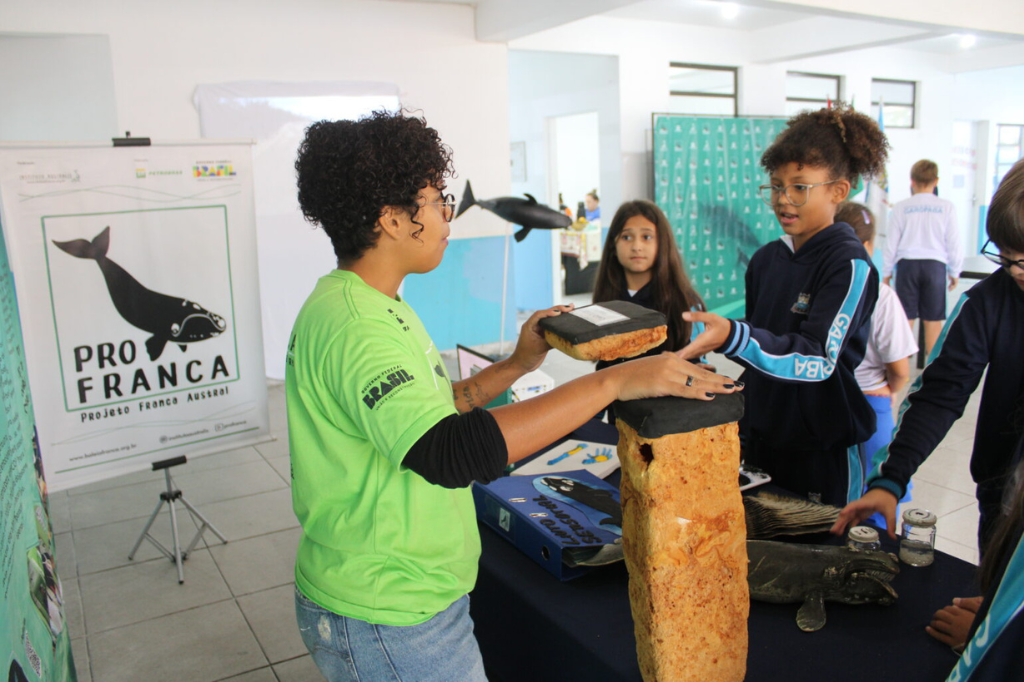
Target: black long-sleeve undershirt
{"x": 460, "y": 449}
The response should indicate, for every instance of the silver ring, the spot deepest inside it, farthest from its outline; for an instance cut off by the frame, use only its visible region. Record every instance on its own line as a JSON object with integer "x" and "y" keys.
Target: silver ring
{"x": 689, "y": 381}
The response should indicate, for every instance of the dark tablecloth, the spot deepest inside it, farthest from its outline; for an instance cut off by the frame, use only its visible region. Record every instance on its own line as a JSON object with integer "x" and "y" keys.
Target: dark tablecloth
{"x": 531, "y": 627}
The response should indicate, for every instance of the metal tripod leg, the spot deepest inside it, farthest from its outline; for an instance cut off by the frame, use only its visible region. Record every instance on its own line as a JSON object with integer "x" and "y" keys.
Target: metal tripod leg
{"x": 170, "y": 496}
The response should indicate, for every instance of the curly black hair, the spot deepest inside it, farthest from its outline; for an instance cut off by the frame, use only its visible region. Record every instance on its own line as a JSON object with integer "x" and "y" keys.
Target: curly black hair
{"x": 846, "y": 142}
{"x": 350, "y": 171}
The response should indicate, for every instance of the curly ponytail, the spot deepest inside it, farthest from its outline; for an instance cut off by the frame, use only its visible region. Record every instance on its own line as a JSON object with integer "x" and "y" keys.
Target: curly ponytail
{"x": 846, "y": 142}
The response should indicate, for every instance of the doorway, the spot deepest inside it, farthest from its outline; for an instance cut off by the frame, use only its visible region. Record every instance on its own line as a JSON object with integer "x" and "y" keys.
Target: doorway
{"x": 961, "y": 186}
{"x": 574, "y": 170}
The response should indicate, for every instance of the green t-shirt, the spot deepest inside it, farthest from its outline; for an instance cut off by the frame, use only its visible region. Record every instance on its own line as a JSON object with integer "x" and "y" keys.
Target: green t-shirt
{"x": 364, "y": 382}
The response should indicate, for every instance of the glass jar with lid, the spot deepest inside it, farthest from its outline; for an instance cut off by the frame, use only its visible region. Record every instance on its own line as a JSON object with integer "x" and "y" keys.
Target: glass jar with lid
{"x": 917, "y": 539}
{"x": 863, "y": 538}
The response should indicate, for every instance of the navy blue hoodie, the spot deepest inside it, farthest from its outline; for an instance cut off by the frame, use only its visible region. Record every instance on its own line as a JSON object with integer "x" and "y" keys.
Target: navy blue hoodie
{"x": 807, "y": 325}
{"x": 985, "y": 330}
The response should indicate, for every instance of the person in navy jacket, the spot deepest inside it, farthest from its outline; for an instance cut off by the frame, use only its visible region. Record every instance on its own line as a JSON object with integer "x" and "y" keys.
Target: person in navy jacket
{"x": 984, "y": 331}
{"x": 809, "y": 295}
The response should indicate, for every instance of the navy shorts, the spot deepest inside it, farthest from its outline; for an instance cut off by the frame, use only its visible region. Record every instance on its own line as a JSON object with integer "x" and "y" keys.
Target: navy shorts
{"x": 921, "y": 287}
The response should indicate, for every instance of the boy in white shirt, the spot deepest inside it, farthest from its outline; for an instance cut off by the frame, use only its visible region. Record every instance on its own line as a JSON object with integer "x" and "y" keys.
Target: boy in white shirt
{"x": 924, "y": 248}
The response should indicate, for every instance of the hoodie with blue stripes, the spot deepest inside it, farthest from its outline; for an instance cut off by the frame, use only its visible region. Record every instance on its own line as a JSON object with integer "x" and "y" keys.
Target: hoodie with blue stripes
{"x": 985, "y": 330}
{"x": 806, "y": 329}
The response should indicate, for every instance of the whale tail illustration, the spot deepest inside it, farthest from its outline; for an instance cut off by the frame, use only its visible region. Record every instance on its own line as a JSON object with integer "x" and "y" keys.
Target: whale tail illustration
{"x": 83, "y": 248}
{"x": 468, "y": 200}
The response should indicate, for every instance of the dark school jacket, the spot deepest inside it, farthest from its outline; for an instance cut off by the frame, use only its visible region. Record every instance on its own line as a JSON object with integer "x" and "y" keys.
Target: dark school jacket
{"x": 985, "y": 330}
{"x": 807, "y": 325}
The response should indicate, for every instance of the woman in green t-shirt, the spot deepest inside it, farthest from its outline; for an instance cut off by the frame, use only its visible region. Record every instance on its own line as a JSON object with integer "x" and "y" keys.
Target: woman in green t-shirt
{"x": 383, "y": 445}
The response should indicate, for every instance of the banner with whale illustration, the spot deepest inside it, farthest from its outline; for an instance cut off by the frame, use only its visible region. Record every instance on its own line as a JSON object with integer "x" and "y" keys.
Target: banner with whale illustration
{"x": 136, "y": 277}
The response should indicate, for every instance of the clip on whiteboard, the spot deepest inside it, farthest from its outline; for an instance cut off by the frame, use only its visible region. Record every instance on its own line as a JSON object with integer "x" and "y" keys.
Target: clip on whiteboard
{"x": 129, "y": 141}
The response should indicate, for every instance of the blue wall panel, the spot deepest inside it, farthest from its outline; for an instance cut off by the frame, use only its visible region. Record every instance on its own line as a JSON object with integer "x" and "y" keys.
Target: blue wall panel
{"x": 533, "y": 276}
{"x": 460, "y": 300}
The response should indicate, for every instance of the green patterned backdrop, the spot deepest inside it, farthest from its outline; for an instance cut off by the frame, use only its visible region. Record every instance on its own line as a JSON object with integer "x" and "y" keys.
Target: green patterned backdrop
{"x": 706, "y": 175}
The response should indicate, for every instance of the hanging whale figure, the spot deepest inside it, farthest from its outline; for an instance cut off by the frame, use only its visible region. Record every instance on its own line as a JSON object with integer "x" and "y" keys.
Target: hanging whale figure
{"x": 788, "y": 573}
{"x": 167, "y": 318}
{"x": 525, "y": 212}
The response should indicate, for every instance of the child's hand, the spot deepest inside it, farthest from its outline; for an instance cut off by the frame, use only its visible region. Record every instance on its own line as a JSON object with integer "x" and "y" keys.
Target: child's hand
{"x": 531, "y": 348}
{"x": 716, "y": 331}
{"x": 874, "y": 500}
{"x": 951, "y": 624}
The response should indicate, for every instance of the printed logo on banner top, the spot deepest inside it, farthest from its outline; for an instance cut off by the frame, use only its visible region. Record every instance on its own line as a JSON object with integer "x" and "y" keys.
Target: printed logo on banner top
{"x": 141, "y": 315}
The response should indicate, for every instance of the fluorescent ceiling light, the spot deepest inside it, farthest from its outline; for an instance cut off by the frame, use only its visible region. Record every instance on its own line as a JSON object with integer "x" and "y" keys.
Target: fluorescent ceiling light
{"x": 730, "y": 10}
{"x": 968, "y": 41}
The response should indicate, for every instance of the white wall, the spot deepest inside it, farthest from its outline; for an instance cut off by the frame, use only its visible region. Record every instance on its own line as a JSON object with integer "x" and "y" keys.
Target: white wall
{"x": 56, "y": 87}
{"x": 645, "y": 49}
{"x": 545, "y": 84}
{"x": 161, "y": 51}
{"x": 992, "y": 97}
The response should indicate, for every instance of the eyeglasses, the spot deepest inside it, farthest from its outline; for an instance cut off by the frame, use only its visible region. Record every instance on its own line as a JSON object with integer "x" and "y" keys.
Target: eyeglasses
{"x": 797, "y": 193}
{"x": 998, "y": 258}
{"x": 448, "y": 206}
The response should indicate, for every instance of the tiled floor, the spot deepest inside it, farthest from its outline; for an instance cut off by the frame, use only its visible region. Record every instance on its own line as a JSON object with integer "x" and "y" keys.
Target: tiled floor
{"x": 233, "y": 617}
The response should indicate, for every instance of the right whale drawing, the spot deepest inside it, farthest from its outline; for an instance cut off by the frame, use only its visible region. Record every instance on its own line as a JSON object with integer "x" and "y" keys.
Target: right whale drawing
{"x": 167, "y": 318}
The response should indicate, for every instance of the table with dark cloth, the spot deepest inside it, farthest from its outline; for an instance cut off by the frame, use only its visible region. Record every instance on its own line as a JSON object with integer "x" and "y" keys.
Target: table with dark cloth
{"x": 532, "y": 627}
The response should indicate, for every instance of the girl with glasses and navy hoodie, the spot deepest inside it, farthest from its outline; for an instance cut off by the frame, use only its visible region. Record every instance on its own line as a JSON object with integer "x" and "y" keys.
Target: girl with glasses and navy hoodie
{"x": 809, "y": 299}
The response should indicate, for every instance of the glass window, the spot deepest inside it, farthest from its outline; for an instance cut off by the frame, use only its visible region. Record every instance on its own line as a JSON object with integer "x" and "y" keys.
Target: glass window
{"x": 1009, "y": 134}
{"x": 1009, "y": 148}
{"x": 811, "y": 87}
{"x": 702, "y": 89}
{"x": 899, "y": 99}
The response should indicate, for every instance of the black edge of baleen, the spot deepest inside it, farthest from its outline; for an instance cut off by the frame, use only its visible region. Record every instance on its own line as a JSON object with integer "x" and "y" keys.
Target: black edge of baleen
{"x": 657, "y": 417}
{"x": 577, "y": 330}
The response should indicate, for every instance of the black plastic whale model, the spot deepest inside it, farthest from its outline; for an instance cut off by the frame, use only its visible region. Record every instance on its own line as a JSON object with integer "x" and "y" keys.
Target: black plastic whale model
{"x": 525, "y": 212}
{"x": 167, "y": 318}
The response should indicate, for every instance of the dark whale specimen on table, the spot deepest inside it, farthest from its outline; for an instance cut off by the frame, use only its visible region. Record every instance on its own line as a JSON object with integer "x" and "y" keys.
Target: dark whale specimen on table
{"x": 169, "y": 319}
{"x": 525, "y": 212}
{"x": 810, "y": 575}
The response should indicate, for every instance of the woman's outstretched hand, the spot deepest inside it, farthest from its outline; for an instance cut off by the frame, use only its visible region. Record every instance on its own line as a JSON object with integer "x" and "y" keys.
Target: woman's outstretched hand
{"x": 669, "y": 374}
{"x": 531, "y": 348}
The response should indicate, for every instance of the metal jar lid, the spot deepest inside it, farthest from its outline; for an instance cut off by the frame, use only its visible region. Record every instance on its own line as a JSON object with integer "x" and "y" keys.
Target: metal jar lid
{"x": 919, "y": 517}
{"x": 863, "y": 534}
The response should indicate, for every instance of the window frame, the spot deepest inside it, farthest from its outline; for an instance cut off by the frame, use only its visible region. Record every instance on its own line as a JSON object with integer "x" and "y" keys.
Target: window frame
{"x": 1003, "y": 168}
{"x": 823, "y": 76}
{"x": 735, "y": 70}
{"x": 912, "y": 105}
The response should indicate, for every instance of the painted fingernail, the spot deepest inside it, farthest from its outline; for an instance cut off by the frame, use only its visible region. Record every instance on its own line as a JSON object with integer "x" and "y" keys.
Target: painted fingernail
{"x": 740, "y": 384}
{"x": 729, "y": 386}
{"x": 710, "y": 395}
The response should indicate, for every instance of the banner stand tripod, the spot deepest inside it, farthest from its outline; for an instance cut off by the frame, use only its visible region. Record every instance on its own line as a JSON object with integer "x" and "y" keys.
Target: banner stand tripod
{"x": 169, "y": 497}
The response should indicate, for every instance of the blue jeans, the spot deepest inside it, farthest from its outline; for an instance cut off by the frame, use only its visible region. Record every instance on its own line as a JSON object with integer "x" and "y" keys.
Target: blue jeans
{"x": 443, "y": 649}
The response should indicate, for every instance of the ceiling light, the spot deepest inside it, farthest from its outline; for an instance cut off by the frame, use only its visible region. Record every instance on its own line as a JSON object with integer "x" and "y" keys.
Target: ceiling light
{"x": 730, "y": 10}
{"x": 967, "y": 41}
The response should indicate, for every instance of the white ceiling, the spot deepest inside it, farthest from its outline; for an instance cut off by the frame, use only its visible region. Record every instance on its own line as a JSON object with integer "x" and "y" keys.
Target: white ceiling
{"x": 753, "y": 17}
{"x": 707, "y": 13}
{"x": 504, "y": 20}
